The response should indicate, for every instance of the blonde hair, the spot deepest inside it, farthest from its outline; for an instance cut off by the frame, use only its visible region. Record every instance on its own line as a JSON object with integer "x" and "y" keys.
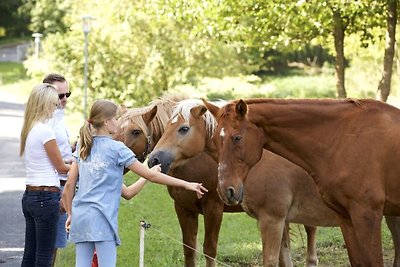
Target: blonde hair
{"x": 100, "y": 111}
{"x": 39, "y": 108}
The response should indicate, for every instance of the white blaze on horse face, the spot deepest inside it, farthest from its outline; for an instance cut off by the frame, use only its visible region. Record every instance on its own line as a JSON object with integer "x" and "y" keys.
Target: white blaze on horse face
{"x": 222, "y": 134}
{"x": 221, "y": 168}
{"x": 175, "y": 119}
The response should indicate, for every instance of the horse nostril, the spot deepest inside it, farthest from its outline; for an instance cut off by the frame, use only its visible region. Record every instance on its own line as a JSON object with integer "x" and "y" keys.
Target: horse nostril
{"x": 230, "y": 193}
{"x": 155, "y": 161}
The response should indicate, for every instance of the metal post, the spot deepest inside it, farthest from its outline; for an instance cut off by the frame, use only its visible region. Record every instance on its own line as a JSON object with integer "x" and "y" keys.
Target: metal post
{"x": 85, "y": 74}
{"x": 37, "y": 36}
{"x": 86, "y": 19}
{"x": 143, "y": 227}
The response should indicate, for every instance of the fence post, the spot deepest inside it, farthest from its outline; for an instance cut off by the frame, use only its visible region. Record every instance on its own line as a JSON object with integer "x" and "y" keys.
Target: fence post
{"x": 143, "y": 227}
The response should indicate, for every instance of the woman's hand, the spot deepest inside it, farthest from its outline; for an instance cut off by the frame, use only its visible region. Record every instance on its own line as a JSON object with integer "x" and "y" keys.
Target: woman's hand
{"x": 68, "y": 223}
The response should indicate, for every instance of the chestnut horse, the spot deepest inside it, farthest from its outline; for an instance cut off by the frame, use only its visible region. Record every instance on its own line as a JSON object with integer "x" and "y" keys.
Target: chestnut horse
{"x": 140, "y": 129}
{"x": 276, "y": 191}
{"x": 349, "y": 147}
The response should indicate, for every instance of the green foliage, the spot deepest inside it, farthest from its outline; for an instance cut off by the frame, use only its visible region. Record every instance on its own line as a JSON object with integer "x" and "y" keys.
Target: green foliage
{"x": 137, "y": 50}
{"x": 47, "y": 16}
{"x": 12, "y": 23}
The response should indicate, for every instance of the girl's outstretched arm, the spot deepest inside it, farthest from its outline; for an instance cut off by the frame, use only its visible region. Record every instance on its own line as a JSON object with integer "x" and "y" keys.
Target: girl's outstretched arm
{"x": 129, "y": 192}
{"x": 160, "y": 178}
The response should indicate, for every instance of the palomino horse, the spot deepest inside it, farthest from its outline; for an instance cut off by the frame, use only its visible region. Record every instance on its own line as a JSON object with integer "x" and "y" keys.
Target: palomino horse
{"x": 276, "y": 191}
{"x": 349, "y": 147}
{"x": 140, "y": 129}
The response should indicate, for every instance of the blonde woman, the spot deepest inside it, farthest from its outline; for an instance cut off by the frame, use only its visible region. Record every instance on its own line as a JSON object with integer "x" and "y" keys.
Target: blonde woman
{"x": 43, "y": 160}
{"x": 93, "y": 212}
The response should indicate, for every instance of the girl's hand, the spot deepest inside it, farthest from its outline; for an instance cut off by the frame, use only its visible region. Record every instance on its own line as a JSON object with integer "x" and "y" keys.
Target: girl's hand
{"x": 198, "y": 188}
{"x": 156, "y": 168}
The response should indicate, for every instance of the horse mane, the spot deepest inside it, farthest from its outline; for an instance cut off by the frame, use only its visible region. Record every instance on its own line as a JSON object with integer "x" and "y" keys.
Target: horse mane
{"x": 182, "y": 109}
{"x": 157, "y": 125}
{"x": 317, "y": 101}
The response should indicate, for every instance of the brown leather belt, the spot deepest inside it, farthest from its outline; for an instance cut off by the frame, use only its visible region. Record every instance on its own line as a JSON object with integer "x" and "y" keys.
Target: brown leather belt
{"x": 42, "y": 188}
{"x": 63, "y": 182}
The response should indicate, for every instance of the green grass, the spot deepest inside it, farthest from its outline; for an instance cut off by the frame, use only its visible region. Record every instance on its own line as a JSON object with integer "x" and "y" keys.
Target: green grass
{"x": 239, "y": 241}
{"x": 13, "y": 41}
{"x": 11, "y": 72}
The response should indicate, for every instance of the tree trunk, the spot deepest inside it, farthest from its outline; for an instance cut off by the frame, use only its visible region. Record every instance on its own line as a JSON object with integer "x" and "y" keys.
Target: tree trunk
{"x": 385, "y": 82}
{"x": 338, "y": 35}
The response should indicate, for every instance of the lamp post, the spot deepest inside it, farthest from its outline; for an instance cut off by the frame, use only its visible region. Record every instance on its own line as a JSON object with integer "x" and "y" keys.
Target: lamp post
{"x": 37, "y": 36}
{"x": 86, "y": 19}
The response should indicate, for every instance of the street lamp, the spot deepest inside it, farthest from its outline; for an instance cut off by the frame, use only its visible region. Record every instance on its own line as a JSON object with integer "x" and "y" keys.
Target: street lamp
{"x": 37, "y": 36}
{"x": 86, "y": 19}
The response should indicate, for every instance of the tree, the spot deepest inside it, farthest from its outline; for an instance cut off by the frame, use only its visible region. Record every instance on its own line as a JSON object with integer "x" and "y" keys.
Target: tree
{"x": 12, "y": 23}
{"x": 391, "y": 21}
{"x": 137, "y": 50}
{"x": 46, "y": 16}
{"x": 288, "y": 25}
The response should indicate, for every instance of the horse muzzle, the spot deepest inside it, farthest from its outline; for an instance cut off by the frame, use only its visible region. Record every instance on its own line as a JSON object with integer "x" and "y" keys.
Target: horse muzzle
{"x": 160, "y": 157}
{"x": 231, "y": 195}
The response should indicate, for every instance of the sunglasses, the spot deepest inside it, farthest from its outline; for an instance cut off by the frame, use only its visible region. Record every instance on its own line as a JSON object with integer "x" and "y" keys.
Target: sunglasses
{"x": 61, "y": 96}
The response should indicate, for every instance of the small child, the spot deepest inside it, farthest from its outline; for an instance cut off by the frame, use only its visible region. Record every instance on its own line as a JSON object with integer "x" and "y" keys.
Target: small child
{"x": 93, "y": 212}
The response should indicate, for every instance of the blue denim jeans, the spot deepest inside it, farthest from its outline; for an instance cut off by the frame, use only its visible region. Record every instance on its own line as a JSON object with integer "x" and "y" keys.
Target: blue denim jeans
{"x": 41, "y": 212}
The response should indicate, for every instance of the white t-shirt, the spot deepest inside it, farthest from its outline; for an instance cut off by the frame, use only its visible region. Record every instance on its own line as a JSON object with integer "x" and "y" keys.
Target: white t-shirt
{"x": 39, "y": 169}
{"x": 62, "y": 137}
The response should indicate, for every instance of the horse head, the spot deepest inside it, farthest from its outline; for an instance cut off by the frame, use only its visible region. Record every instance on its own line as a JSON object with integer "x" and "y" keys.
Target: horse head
{"x": 185, "y": 136}
{"x": 134, "y": 132}
{"x": 239, "y": 147}
{"x": 141, "y": 128}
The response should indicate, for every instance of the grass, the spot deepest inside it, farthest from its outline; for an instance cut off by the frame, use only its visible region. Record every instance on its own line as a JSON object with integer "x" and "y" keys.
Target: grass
{"x": 239, "y": 241}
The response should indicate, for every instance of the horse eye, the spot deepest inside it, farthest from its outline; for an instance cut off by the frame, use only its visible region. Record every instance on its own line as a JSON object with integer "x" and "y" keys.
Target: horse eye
{"x": 183, "y": 129}
{"x": 236, "y": 138}
{"x": 136, "y": 132}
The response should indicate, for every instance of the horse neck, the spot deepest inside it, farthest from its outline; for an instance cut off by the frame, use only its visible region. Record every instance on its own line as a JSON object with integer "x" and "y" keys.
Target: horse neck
{"x": 303, "y": 131}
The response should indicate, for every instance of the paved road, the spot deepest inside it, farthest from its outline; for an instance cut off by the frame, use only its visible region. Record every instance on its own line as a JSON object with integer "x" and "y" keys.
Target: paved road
{"x": 12, "y": 179}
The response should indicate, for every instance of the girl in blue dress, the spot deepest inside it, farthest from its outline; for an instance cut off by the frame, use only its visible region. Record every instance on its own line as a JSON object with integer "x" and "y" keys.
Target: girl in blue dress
{"x": 93, "y": 211}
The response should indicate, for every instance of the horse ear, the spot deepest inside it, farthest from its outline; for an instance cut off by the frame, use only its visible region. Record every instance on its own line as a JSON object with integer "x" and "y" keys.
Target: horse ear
{"x": 241, "y": 109}
{"x": 212, "y": 108}
{"x": 198, "y": 111}
{"x": 149, "y": 115}
{"x": 123, "y": 109}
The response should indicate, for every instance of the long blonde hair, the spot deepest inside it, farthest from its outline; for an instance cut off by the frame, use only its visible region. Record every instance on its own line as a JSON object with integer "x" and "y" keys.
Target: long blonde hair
{"x": 39, "y": 108}
{"x": 100, "y": 111}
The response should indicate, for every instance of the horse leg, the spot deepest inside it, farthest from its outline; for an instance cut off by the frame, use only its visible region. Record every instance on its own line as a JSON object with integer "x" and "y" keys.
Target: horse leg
{"x": 272, "y": 231}
{"x": 285, "y": 258}
{"x": 393, "y": 223}
{"x": 189, "y": 226}
{"x": 213, "y": 213}
{"x": 362, "y": 234}
{"x": 312, "y": 258}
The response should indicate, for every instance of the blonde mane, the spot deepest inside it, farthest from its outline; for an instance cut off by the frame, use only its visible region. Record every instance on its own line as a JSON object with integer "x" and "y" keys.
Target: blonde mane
{"x": 182, "y": 109}
{"x": 157, "y": 125}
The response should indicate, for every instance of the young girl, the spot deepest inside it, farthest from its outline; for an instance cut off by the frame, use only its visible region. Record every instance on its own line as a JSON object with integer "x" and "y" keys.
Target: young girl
{"x": 40, "y": 202}
{"x": 93, "y": 213}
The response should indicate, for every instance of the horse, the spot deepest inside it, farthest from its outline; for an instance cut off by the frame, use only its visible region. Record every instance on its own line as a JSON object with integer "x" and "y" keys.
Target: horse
{"x": 276, "y": 191}
{"x": 349, "y": 147}
{"x": 140, "y": 129}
